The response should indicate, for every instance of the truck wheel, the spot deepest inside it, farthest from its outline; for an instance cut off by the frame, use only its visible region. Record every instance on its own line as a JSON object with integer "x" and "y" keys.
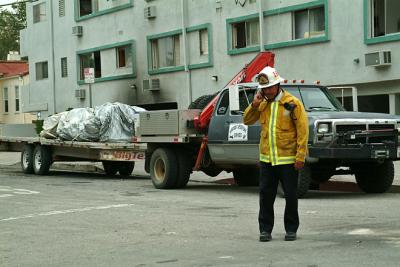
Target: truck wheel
{"x": 303, "y": 182}
{"x": 247, "y": 176}
{"x": 41, "y": 160}
{"x": 125, "y": 168}
{"x": 163, "y": 168}
{"x": 27, "y": 159}
{"x": 201, "y": 102}
{"x": 110, "y": 167}
{"x": 185, "y": 165}
{"x": 375, "y": 177}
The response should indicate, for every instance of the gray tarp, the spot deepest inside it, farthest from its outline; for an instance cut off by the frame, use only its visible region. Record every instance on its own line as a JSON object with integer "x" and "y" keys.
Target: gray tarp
{"x": 110, "y": 122}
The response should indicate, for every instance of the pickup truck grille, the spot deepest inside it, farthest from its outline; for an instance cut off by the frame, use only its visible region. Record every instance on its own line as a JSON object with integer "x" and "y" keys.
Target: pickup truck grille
{"x": 356, "y": 129}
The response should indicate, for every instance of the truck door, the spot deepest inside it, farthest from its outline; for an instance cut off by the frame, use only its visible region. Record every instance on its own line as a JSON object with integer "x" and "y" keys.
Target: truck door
{"x": 229, "y": 140}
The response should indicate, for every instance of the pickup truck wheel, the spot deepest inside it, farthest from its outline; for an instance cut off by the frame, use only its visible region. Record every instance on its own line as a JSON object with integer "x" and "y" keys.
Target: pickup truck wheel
{"x": 41, "y": 160}
{"x": 163, "y": 168}
{"x": 27, "y": 159}
{"x": 184, "y": 168}
{"x": 303, "y": 182}
{"x": 125, "y": 169}
{"x": 375, "y": 177}
{"x": 110, "y": 167}
{"x": 248, "y": 176}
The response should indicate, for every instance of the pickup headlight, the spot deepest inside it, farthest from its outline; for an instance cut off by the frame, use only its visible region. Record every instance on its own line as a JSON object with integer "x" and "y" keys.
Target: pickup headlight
{"x": 324, "y": 128}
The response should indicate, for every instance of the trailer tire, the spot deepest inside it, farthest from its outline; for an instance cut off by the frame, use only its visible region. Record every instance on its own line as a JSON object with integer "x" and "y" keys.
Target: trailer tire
{"x": 247, "y": 176}
{"x": 41, "y": 160}
{"x": 163, "y": 168}
{"x": 375, "y": 178}
{"x": 125, "y": 169}
{"x": 27, "y": 159}
{"x": 303, "y": 182}
{"x": 110, "y": 167}
{"x": 185, "y": 164}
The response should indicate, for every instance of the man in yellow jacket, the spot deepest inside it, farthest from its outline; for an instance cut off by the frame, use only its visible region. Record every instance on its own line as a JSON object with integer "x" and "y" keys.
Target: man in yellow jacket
{"x": 283, "y": 148}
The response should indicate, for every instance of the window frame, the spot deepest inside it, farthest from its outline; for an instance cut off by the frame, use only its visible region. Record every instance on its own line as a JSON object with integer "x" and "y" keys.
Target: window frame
{"x": 40, "y": 65}
{"x": 41, "y": 17}
{"x": 64, "y": 67}
{"x": 199, "y": 28}
{"x": 98, "y": 12}
{"x": 368, "y": 38}
{"x": 6, "y": 103}
{"x": 104, "y": 78}
{"x": 17, "y": 97}
{"x": 150, "y": 53}
{"x": 230, "y": 38}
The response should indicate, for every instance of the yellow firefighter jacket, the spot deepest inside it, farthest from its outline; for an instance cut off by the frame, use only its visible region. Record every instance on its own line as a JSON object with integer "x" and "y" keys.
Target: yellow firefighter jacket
{"x": 284, "y": 133}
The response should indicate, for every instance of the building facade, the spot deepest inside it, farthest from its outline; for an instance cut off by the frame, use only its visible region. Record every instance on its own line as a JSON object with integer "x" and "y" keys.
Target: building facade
{"x": 13, "y": 76}
{"x": 166, "y": 53}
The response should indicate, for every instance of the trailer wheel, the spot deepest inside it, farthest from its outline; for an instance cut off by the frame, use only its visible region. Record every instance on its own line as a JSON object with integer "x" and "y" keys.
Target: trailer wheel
{"x": 27, "y": 159}
{"x": 375, "y": 177}
{"x": 185, "y": 165}
{"x": 163, "y": 168}
{"x": 247, "y": 176}
{"x": 110, "y": 167}
{"x": 125, "y": 168}
{"x": 41, "y": 160}
{"x": 303, "y": 182}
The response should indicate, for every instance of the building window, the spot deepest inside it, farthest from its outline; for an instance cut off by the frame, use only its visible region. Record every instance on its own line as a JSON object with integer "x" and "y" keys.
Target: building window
{"x": 41, "y": 70}
{"x": 309, "y": 23}
{"x": 5, "y": 99}
{"x": 203, "y": 40}
{"x": 245, "y": 34}
{"x": 87, "y": 7}
{"x": 385, "y": 17}
{"x": 124, "y": 56}
{"x": 17, "y": 98}
{"x": 64, "y": 67}
{"x": 90, "y": 60}
{"x": 61, "y": 8}
{"x": 166, "y": 52}
{"x": 39, "y": 12}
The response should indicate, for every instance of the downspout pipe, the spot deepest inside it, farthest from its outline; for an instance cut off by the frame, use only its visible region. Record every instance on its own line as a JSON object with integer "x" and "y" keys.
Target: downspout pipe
{"x": 53, "y": 71}
{"x": 185, "y": 50}
{"x": 261, "y": 21}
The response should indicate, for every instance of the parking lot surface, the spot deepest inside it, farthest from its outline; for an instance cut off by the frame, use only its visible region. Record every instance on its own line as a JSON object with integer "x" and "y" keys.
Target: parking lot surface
{"x": 87, "y": 219}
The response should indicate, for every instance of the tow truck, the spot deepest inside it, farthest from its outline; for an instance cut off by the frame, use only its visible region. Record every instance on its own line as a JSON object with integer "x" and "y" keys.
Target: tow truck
{"x": 210, "y": 136}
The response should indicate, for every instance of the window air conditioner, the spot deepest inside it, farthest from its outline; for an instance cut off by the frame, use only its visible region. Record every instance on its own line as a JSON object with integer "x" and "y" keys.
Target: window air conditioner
{"x": 77, "y": 30}
{"x": 150, "y": 12}
{"x": 151, "y": 84}
{"x": 80, "y": 93}
{"x": 378, "y": 59}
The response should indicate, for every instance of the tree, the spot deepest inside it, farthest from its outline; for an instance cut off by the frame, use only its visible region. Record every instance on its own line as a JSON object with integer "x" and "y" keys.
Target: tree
{"x": 11, "y": 22}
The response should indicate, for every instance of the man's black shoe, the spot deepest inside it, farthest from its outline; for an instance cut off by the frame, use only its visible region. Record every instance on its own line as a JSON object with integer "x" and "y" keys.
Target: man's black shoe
{"x": 265, "y": 237}
{"x": 290, "y": 236}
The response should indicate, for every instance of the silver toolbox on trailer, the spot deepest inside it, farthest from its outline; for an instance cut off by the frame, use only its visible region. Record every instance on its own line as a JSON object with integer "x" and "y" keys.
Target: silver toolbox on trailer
{"x": 166, "y": 122}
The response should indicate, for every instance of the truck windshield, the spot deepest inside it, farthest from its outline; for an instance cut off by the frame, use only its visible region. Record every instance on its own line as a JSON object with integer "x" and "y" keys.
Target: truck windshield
{"x": 315, "y": 98}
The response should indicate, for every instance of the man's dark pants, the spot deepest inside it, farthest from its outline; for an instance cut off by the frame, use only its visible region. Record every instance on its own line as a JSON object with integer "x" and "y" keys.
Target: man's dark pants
{"x": 269, "y": 179}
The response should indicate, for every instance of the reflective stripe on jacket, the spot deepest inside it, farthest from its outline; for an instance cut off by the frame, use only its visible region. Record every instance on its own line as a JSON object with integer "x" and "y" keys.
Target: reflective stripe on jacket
{"x": 284, "y": 135}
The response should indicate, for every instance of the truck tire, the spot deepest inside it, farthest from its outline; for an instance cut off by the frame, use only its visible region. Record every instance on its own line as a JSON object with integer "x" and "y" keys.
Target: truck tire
{"x": 185, "y": 165}
{"x": 27, "y": 159}
{"x": 163, "y": 168}
{"x": 303, "y": 182}
{"x": 201, "y": 102}
{"x": 375, "y": 177}
{"x": 247, "y": 176}
{"x": 41, "y": 160}
{"x": 125, "y": 168}
{"x": 110, "y": 167}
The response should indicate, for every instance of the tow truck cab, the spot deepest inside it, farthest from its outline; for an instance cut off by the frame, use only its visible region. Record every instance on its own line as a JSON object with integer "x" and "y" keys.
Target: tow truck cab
{"x": 340, "y": 142}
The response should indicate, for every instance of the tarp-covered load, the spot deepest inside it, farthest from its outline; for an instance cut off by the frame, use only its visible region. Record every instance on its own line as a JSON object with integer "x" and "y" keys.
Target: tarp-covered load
{"x": 110, "y": 122}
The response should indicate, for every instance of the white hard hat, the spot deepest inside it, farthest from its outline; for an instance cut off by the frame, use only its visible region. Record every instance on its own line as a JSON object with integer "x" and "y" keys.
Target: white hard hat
{"x": 268, "y": 77}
